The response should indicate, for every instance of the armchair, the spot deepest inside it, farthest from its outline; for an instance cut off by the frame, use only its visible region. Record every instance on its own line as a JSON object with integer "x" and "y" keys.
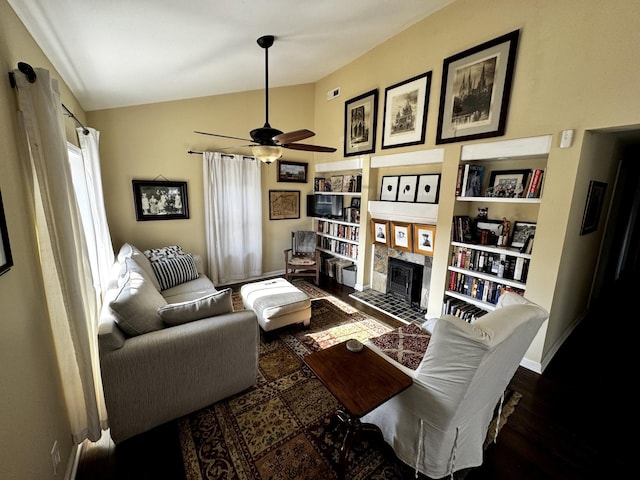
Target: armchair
{"x": 303, "y": 258}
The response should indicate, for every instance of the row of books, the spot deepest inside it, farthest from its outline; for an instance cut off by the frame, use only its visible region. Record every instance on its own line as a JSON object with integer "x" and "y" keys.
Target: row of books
{"x": 336, "y": 246}
{"x": 458, "y": 308}
{"x": 462, "y": 229}
{"x": 338, "y": 183}
{"x": 478, "y": 288}
{"x": 339, "y": 230}
{"x": 501, "y": 265}
{"x": 533, "y": 184}
{"x": 470, "y": 180}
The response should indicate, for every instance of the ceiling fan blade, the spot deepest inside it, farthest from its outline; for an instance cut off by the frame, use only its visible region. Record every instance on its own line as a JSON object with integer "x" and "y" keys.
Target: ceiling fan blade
{"x": 294, "y": 136}
{"x": 309, "y": 148}
{"x": 223, "y": 136}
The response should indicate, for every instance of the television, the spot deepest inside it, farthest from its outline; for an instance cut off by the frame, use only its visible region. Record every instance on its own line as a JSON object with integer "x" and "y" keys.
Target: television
{"x": 324, "y": 206}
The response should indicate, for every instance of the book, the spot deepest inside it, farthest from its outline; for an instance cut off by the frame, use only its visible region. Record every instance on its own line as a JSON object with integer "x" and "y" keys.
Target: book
{"x": 464, "y": 180}
{"x": 459, "y": 180}
{"x": 473, "y": 184}
{"x": 535, "y": 179}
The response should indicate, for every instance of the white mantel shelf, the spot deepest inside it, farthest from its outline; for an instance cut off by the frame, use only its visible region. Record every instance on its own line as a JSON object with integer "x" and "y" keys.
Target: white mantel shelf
{"x": 426, "y": 213}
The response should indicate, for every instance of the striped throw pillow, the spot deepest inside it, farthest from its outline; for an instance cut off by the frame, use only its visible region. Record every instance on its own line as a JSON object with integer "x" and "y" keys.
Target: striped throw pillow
{"x": 174, "y": 271}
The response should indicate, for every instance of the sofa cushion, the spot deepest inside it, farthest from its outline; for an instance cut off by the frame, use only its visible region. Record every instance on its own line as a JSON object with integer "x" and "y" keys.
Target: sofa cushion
{"x": 135, "y": 306}
{"x": 162, "y": 253}
{"x": 211, "y": 305}
{"x": 129, "y": 251}
{"x": 174, "y": 271}
{"x": 192, "y": 290}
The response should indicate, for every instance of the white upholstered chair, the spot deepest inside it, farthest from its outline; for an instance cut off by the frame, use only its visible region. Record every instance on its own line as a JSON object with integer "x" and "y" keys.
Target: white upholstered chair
{"x": 439, "y": 424}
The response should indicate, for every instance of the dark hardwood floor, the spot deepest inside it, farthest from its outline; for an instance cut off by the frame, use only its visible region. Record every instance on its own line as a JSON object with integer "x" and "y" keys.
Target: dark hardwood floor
{"x": 569, "y": 424}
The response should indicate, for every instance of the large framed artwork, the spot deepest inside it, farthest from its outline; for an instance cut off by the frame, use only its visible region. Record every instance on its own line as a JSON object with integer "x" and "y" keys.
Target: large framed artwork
{"x": 292, "y": 171}
{"x": 593, "y": 207}
{"x": 475, "y": 92}
{"x": 6, "y": 261}
{"x": 360, "y": 124}
{"x": 284, "y": 204}
{"x": 160, "y": 200}
{"x": 405, "y": 112}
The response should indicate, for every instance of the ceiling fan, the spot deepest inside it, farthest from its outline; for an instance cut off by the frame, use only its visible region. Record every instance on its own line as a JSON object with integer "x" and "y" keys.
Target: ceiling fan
{"x": 268, "y": 142}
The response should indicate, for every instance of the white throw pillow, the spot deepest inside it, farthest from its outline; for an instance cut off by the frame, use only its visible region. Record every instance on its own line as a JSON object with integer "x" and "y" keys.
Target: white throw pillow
{"x": 130, "y": 251}
{"x": 174, "y": 271}
{"x": 214, "y": 304}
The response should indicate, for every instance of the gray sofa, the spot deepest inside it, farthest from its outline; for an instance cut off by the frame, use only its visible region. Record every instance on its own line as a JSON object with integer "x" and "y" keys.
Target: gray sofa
{"x": 166, "y": 352}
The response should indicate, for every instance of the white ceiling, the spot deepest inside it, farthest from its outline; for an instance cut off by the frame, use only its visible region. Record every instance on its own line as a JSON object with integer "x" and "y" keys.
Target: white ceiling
{"x": 115, "y": 53}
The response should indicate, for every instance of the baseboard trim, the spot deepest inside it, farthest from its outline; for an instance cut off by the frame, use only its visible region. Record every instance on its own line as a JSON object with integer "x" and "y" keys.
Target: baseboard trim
{"x": 72, "y": 463}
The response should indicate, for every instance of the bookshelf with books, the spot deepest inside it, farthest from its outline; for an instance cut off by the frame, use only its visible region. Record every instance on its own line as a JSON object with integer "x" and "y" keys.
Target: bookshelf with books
{"x": 499, "y": 186}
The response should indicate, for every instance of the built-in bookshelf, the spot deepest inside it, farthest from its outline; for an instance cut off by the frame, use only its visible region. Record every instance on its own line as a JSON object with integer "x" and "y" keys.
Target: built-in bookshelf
{"x": 339, "y": 238}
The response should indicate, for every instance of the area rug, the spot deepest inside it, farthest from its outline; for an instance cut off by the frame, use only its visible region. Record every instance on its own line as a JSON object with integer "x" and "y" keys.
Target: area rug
{"x": 279, "y": 429}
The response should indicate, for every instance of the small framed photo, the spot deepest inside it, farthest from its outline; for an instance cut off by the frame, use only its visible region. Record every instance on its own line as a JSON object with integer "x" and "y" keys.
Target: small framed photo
{"x": 507, "y": 183}
{"x": 380, "y": 231}
{"x": 389, "y": 188}
{"x": 405, "y": 112}
{"x": 407, "y": 188}
{"x": 284, "y": 204}
{"x": 160, "y": 200}
{"x": 401, "y": 236}
{"x": 593, "y": 207}
{"x": 486, "y": 231}
{"x": 6, "y": 260}
{"x": 336, "y": 183}
{"x": 428, "y": 189}
{"x": 360, "y": 124}
{"x": 424, "y": 238}
{"x": 355, "y": 202}
{"x": 292, "y": 171}
{"x": 521, "y": 232}
{"x": 475, "y": 91}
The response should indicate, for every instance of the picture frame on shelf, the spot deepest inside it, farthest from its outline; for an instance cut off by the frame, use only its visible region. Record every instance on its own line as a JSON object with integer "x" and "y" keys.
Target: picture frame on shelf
{"x": 487, "y": 231}
{"x": 507, "y": 183}
{"x": 428, "y": 189}
{"x": 348, "y": 183}
{"x": 407, "y": 188}
{"x": 424, "y": 238}
{"x": 292, "y": 171}
{"x": 401, "y": 236}
{"x": 593, "y": 207}
{"x": 160, "y": 200}
{"x": 355, "y": 202}
{"x": 521, "y": 233}
{"x": 360, "y": 124}
{"x": 389, "y": 188}
{"x": 380, "y": 231}
{"x": 405, "y": 112}
{"x": 467, "y": 113}
{"x": 284, "y": 204}
{"x": 6, "y": 259}
{"x": 336, "y": 183}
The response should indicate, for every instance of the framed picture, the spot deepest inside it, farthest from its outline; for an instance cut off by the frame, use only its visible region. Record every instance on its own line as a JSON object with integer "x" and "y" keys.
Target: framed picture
{"x": 401, "y": 236}
{"x": 593, "y": 207}
{"x": 336, "y": 183}
{"x": 6, "y": 260}
{"x": 476, "y": 87}
{"x": 355, "y": 202}
{"x": 380, "y": 231}
{"x": 507, "y": 183}
{"x": 405, "y": 112}
{"x": 160, "y": 200}
{"x": 284, "y": 204}
{"x": 407, "y": 188}
{"x": 389, "y": 188}
{"x": 428, "y": 189}
{"x": 486, "y": 231}
{"x": 292, "y": 171}
{"x": 424, "y": 237}
{"x": 360, "y": 123}
{"x": 521, "y": 232}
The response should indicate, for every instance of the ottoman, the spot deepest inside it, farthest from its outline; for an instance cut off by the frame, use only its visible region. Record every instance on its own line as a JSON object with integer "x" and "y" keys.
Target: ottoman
{"x": 276, "y": 303}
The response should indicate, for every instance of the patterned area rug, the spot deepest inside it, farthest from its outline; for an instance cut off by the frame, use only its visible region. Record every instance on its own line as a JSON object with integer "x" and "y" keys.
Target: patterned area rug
{"x": 279, "y": 429}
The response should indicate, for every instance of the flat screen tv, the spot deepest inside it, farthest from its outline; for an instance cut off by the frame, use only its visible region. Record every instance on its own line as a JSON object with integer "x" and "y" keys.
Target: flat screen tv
{"x": 324, "y": 206}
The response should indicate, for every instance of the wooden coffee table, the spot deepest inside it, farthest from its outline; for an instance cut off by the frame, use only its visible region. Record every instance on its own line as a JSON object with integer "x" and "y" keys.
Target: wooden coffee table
{"x": 360, "y": 382}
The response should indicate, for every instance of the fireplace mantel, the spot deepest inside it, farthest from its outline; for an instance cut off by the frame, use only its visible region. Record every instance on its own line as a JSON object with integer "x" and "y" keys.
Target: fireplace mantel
{"x": 404, "y": 212}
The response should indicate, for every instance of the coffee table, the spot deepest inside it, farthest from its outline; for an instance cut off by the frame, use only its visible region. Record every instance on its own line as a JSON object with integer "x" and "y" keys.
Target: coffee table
{"x": 360, "y": 382}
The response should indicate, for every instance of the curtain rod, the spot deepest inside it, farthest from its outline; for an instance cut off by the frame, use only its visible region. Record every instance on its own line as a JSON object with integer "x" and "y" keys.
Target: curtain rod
{"x": 30, "y": 73}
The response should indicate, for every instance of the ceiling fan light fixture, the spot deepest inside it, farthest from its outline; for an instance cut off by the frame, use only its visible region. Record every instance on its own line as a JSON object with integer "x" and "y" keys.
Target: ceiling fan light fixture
{"x": 266, "y": 153}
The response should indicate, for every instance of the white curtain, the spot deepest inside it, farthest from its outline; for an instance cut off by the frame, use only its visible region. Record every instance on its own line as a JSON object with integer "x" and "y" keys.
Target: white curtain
{"x": 233, "y": 217}
{"x": 64, "y": 258}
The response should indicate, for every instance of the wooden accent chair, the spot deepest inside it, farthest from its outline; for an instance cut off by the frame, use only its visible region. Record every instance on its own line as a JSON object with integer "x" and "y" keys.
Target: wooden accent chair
{"x": 303, "y": 258}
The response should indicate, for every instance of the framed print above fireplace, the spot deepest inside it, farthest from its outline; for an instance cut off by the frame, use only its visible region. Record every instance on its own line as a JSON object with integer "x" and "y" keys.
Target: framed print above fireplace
{"x": 424, "y": 238}
{"x": 401, "y": 235}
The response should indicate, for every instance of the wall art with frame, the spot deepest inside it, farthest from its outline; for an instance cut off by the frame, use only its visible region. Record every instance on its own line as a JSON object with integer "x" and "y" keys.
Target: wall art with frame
{"x": 521, "y": 233}
{"x": 160, "y": 200}
{"x": 401, "y": 236}
{"x": 292, "y": 171}
{"x": 475, "y": 92}
{"x": 405, "y": 112}
{"x": 424, "y": 238}
{"x": 284, "y": 204}
{"x": 360, "y": 124}
{"x": 593, "y": 207}
{"x": 407, "y": 188}
{"x": 6, "y": 260}
{"x": 428, "y": 188}
{"x": 507, "y": 183}
{"x": 389, "y": 188}
{"x": 380, "y": 231}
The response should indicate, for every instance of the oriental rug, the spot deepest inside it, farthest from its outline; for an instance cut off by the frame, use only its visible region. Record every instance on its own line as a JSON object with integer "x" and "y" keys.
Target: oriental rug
{"x": 279, "y": 429}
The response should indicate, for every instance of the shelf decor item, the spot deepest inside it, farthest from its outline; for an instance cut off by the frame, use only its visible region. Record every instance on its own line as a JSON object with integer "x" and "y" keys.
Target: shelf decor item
{"x": 428, "y": 189}
{"x": 405, "y": 112}
{"x": 593, "y": 207}
{"x": 292, "y": 171}
{"x": 6, "y": 260}
{"x": 401, "y": 236}
{"x": 360, "y": 124}
{"x": 507, "y": 183}
{"x": 407, "y": 188}
{"x": 336, "y": 183}
{"x": 380, "y": 231}
{"x": 521, "y": 233}
{"x": 476, "y": 87}
{"x": 284, "y": 204}
{"x": 389, "y": 188}
{"x": 424, "y": 237}
{"x": 160, "y": 200}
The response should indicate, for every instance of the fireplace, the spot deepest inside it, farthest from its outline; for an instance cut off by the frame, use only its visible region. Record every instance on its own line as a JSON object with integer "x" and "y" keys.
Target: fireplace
{"x": 404, "y": 279}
